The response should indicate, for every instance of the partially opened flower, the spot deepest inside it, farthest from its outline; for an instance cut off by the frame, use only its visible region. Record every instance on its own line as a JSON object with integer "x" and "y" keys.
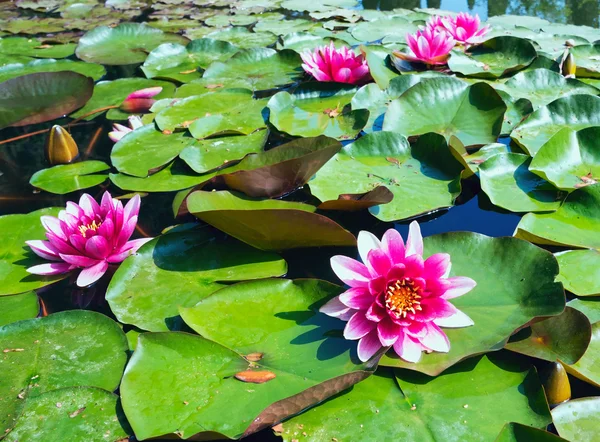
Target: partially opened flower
{"x": 396, "y": 298}
{"x": 327, "y": 63}
{"x": 465, "y": 28}
{"x": 119, "y": 131}
{"x": 140, "y": 101}
{"x": 88, "y": 236}
{"x": 429, "y": 46}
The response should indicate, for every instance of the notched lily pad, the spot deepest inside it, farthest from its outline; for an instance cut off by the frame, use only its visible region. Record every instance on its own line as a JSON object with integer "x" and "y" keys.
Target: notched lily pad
{"x": 68, "y": 178}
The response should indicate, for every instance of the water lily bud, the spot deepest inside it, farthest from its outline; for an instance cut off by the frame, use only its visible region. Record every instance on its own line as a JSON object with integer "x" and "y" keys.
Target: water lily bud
{"x": 141, "y": 101}
{"x": 556, "y": 384}
{"x": 569, "y": 67}
{"x": 570, "y": 43}
{"x": 60, "y": 147}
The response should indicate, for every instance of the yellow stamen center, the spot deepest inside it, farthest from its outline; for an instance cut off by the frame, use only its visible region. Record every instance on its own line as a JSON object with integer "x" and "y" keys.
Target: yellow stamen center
{"x": 402, "y": 297}
{"x": 93, "y": 226}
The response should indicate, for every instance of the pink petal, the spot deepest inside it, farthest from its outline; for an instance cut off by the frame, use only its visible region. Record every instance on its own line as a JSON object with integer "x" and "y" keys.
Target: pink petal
{"x": 148, "y": 92}
{"x": 54, "y": 225}
{"x": 78, "y": 242}
{"x": 414, "y": 243}
{"x": 335, "y": 308}
{"x": 408, "y": 349}
{"x": 357, "y": 298}
{"x": 126, "y": 232}
{"x": 378, "y": 262}
{"x": 350, "y": 271}
{"x": 132, "y": 208}
{"x": 366, "y": 242}
{"x": 51, "y": 268}
{"x": 414, "y": 266}
{"x": 97, "y": 247}
{"x": 44, "y": 249}
{"x": 457, "y": 320}
{"x": 435, "y": 308}
{"x": 106, "y": 204}
{"x": 376, "y": 313}
{"x": 436, "y": 266}
{"x": 358, "y": 326}
{"x": 388, "y": 332}
{"x": 61, "y": 245}
{"x": 459, "y": 285}
{"x": 368, "y": 346}
{"x": 92, "y": 274}
{"x": 107, "y": 229}
{"x": 89, "y": 206}
{"x": 393, "y": 244}
{"x": 343, "y": 75}
{"x": 436, "y": 339}
{"x": 79, "y": 260}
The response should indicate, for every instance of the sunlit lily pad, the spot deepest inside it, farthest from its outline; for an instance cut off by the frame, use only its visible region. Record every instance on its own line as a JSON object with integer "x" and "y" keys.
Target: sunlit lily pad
{"x": 175, "y": 176}
{"x": 67, "y": 349}
{"x": 68, "y": 178}
{"x": 306, "y": 41}
{"x": 526, "y": 274}
{"x": 13, "y": 70}
{"x": 33, "y": 47}
{"x": 570, "y": 159}
{"x": 258, "y": 69}
{"x": 476, "y": 159}
{"x": 73, "y": 414}
{"x": 380, "y": 66}
{"x": 509, "y": 184}
{"x": 522, "y": 433}
{"x": 127, "y": 43}
{"x": 180, "y": 269}
{"x": 267, "y": 224}
{"x": 423, "y": 178}
{"x": 243, "y": 38}
{"x": 183, "y": 63}
{"x": 282, "y": 27}
{"x": 494, "y": 58}
{"x": 394, "y": 28}
{"x": 43, "y": 96}
{"x": 317, "y": 109}
{"x": 580, "y": 271}
{"x": 586, "y": 368}
{"x": 449, "y": 107}
{"x": 576, "y": 223}
{"x": 577, "y": 420}
{"x": 18, "y": 307}
{"x": 587, "y": 59}
{"x": 588, "y": 306}
{"x": 575, "y": 112}
{"x": 414, "y": 406}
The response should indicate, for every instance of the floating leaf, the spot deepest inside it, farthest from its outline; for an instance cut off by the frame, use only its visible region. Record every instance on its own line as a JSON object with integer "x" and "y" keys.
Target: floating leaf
{"x": 243, "y": 38}
{"x": 475, "y": 159}
{"x": 577, "y": 420}
{"x": 13, "y": 70}
{"x": 380, "y": 66}
{"x": 391, "y": 28}
{"x": 588, "y": 306}
{"x": 576, "y": 223}
{"x": 521, "y": 433}
{"x": 359, "y": 201}
{"x": 18, "y": 307}
{"x": 180, "y": 269}
{"x": 33, "y": 47}
{"x": 580, "y": 271}
{"x": 526, "y": 274}
{"x": 587, "y": 58}
{"x": 449, "y": 107}
{"x": 586, "y": 368}
{"x": 36, "y": 98}
{"x": 127, "y": 43}
{"x": 68, "y": 178}
{"x": 306, "y": 41}
{"x": 176, "y": 176}
{"x": 267, "y": 224}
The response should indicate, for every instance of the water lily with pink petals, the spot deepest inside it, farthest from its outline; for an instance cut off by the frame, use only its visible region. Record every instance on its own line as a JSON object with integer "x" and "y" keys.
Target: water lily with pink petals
{"x": 119, "y": 131}
{"x": 342, "y": 65}
{"x": 141, "y": 101}
{"x": 464, "y": 28}
{"x": 397, "y": 298}
{"x": 88, "y": 236}
{"x": 429, "y": 46}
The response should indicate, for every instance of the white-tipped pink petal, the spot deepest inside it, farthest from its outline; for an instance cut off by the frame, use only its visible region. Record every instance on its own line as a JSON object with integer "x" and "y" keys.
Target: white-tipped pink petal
{"x": 414, "y": 243}
{"x": 92, "y": 274}
{"x": 459, "y": 285}
{"x": 436, "y": 339}
{"x": 457, "y": 320}
{"x": 368, "y": 346}
{"x": 357, "y": 298}
{"x": 366, "y": 242}
{"x": 148, "y": 92}
{"x": 408, "y": 349}
{"x": 352, "y": 272}
{"x": 358, "y": 326}
{"x": 388, "y": 332}
{"x": 51, "y": 268}
{"x": 44, "y": 249}
{"x": 335, "y": 308}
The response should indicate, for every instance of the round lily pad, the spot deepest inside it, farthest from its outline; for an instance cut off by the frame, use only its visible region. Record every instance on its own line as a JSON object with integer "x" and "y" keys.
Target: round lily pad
{"x": 576, "y": 223}
{"x": 317, "y": 109}
{"x": 393, "y": 27}
{"x": 587, "y": 59}
{"x": 282, "y": 27}
{"x": 68, "y": 178}
{"x": 586, "y": 368}
{"x": 580, "y": 271}
{"x": 525, "y": 272}
{"x": 570, "y": 159}
{"x": 509, "y": 184}
{"x": 306, "y": 41}
{"x": 449, "y": 107}
{"x": 33, "y": 47}
{"x": 127, "y": 43}
{"x": 13, "y": 70}
{"x": 577, "y": 420}
{"x": 513, "y": 432}
{"x": 422, "y": 179}
{"x": 180, "y": 269}
{"x": 18, "y": 307}
{"x": 243, "y": 38}
{"x": 590, "y": 307}
{"x": 175, "y": 176}
{"x": 476, "y": 159}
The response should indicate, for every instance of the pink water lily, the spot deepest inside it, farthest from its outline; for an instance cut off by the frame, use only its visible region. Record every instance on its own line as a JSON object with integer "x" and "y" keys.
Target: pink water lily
{"x": 88, "y": 236}
{"x": 464, "y": 28}
{"x": 397, "y": 298}
{"x": 141, "y": 101}
{"x": 429, "y": 46}
{"x": 119, "y": 131}
{"x": 327, "y": 63}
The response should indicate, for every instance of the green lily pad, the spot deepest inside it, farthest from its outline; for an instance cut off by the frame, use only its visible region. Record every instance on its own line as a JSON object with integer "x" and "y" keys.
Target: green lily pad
{"x": 509, "y": 184}
{"x": 423, "y": 178}
{"x": 570, "y": 159}
{"x": 576, "y": 223}
{"x": 181, "y": 63}
{"x": 317, "y": 109}
{"x": 180, "y": 269}
{"x": 33, "y": 47}
{"x": 563, "y": 338}
{"x": 586, "y": 368}
{"x": 306, "y": 41}
{"x": 16, "y": 257}
{"x": 588, "y": 306}
{"x": 417, "y": 407}
{"x": 580, "y": 271}
{"x": 318, "y": 5}
{"x": 13, "y": 70}
{"x": 575, "y": 112}
{"x": 68, "y": 178}
{"x": 145, "y": 149}
{"x": 380, "y": 66}
{"x": 587, "y": 59}
{"x": 127, "y": 43}
{"x": 282, "y": 27}
{"x": 176, "y": 176}
{"x": 243, "y": 38}
{"x": 494, "y": 58}
{"x": 577, "y": 420}
{"x": 267, "y": 224}
{"x": 230, "y": 20}
{"x": 113, "y": 93}
{"x": 18, "y": 307}
{"x": 526, "y": 274}
{"x": 393, "y": 27}
{"x": 206, "y": 155}
{"x": 258, "y": 69}
{"x": 67, "y": 349}
{"x": 475, "y": 159}
{"x": 232, "y": 111}
{"x": 517, "y": 109}
{"x": 73, "y": 414}
{"x": 509, "y": 21}
{"x": 521, "y": 433}
{"x": 44, "y": 96}
{"x": 450, "y": 107}
{"x": 543, "y": 86}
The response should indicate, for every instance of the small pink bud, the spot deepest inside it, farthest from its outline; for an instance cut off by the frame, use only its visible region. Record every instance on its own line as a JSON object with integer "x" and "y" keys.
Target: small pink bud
{"x": 140, "y": 101}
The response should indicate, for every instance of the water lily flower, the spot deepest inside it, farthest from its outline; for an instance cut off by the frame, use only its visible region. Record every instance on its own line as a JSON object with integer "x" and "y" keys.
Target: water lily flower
{"x": 141, "y": 101}
{"x": 88, "y": 236}
{"x": 429, "y": 46}
{"x": 464, "y": 28}
{"x": 119, "y": 131}
{"x": 327, "y": 63}
{"x": 396, "y": 298}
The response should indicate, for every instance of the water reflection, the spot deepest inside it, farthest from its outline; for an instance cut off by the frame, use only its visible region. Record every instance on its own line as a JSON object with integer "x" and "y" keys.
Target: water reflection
{"x": 578, "y": 12}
